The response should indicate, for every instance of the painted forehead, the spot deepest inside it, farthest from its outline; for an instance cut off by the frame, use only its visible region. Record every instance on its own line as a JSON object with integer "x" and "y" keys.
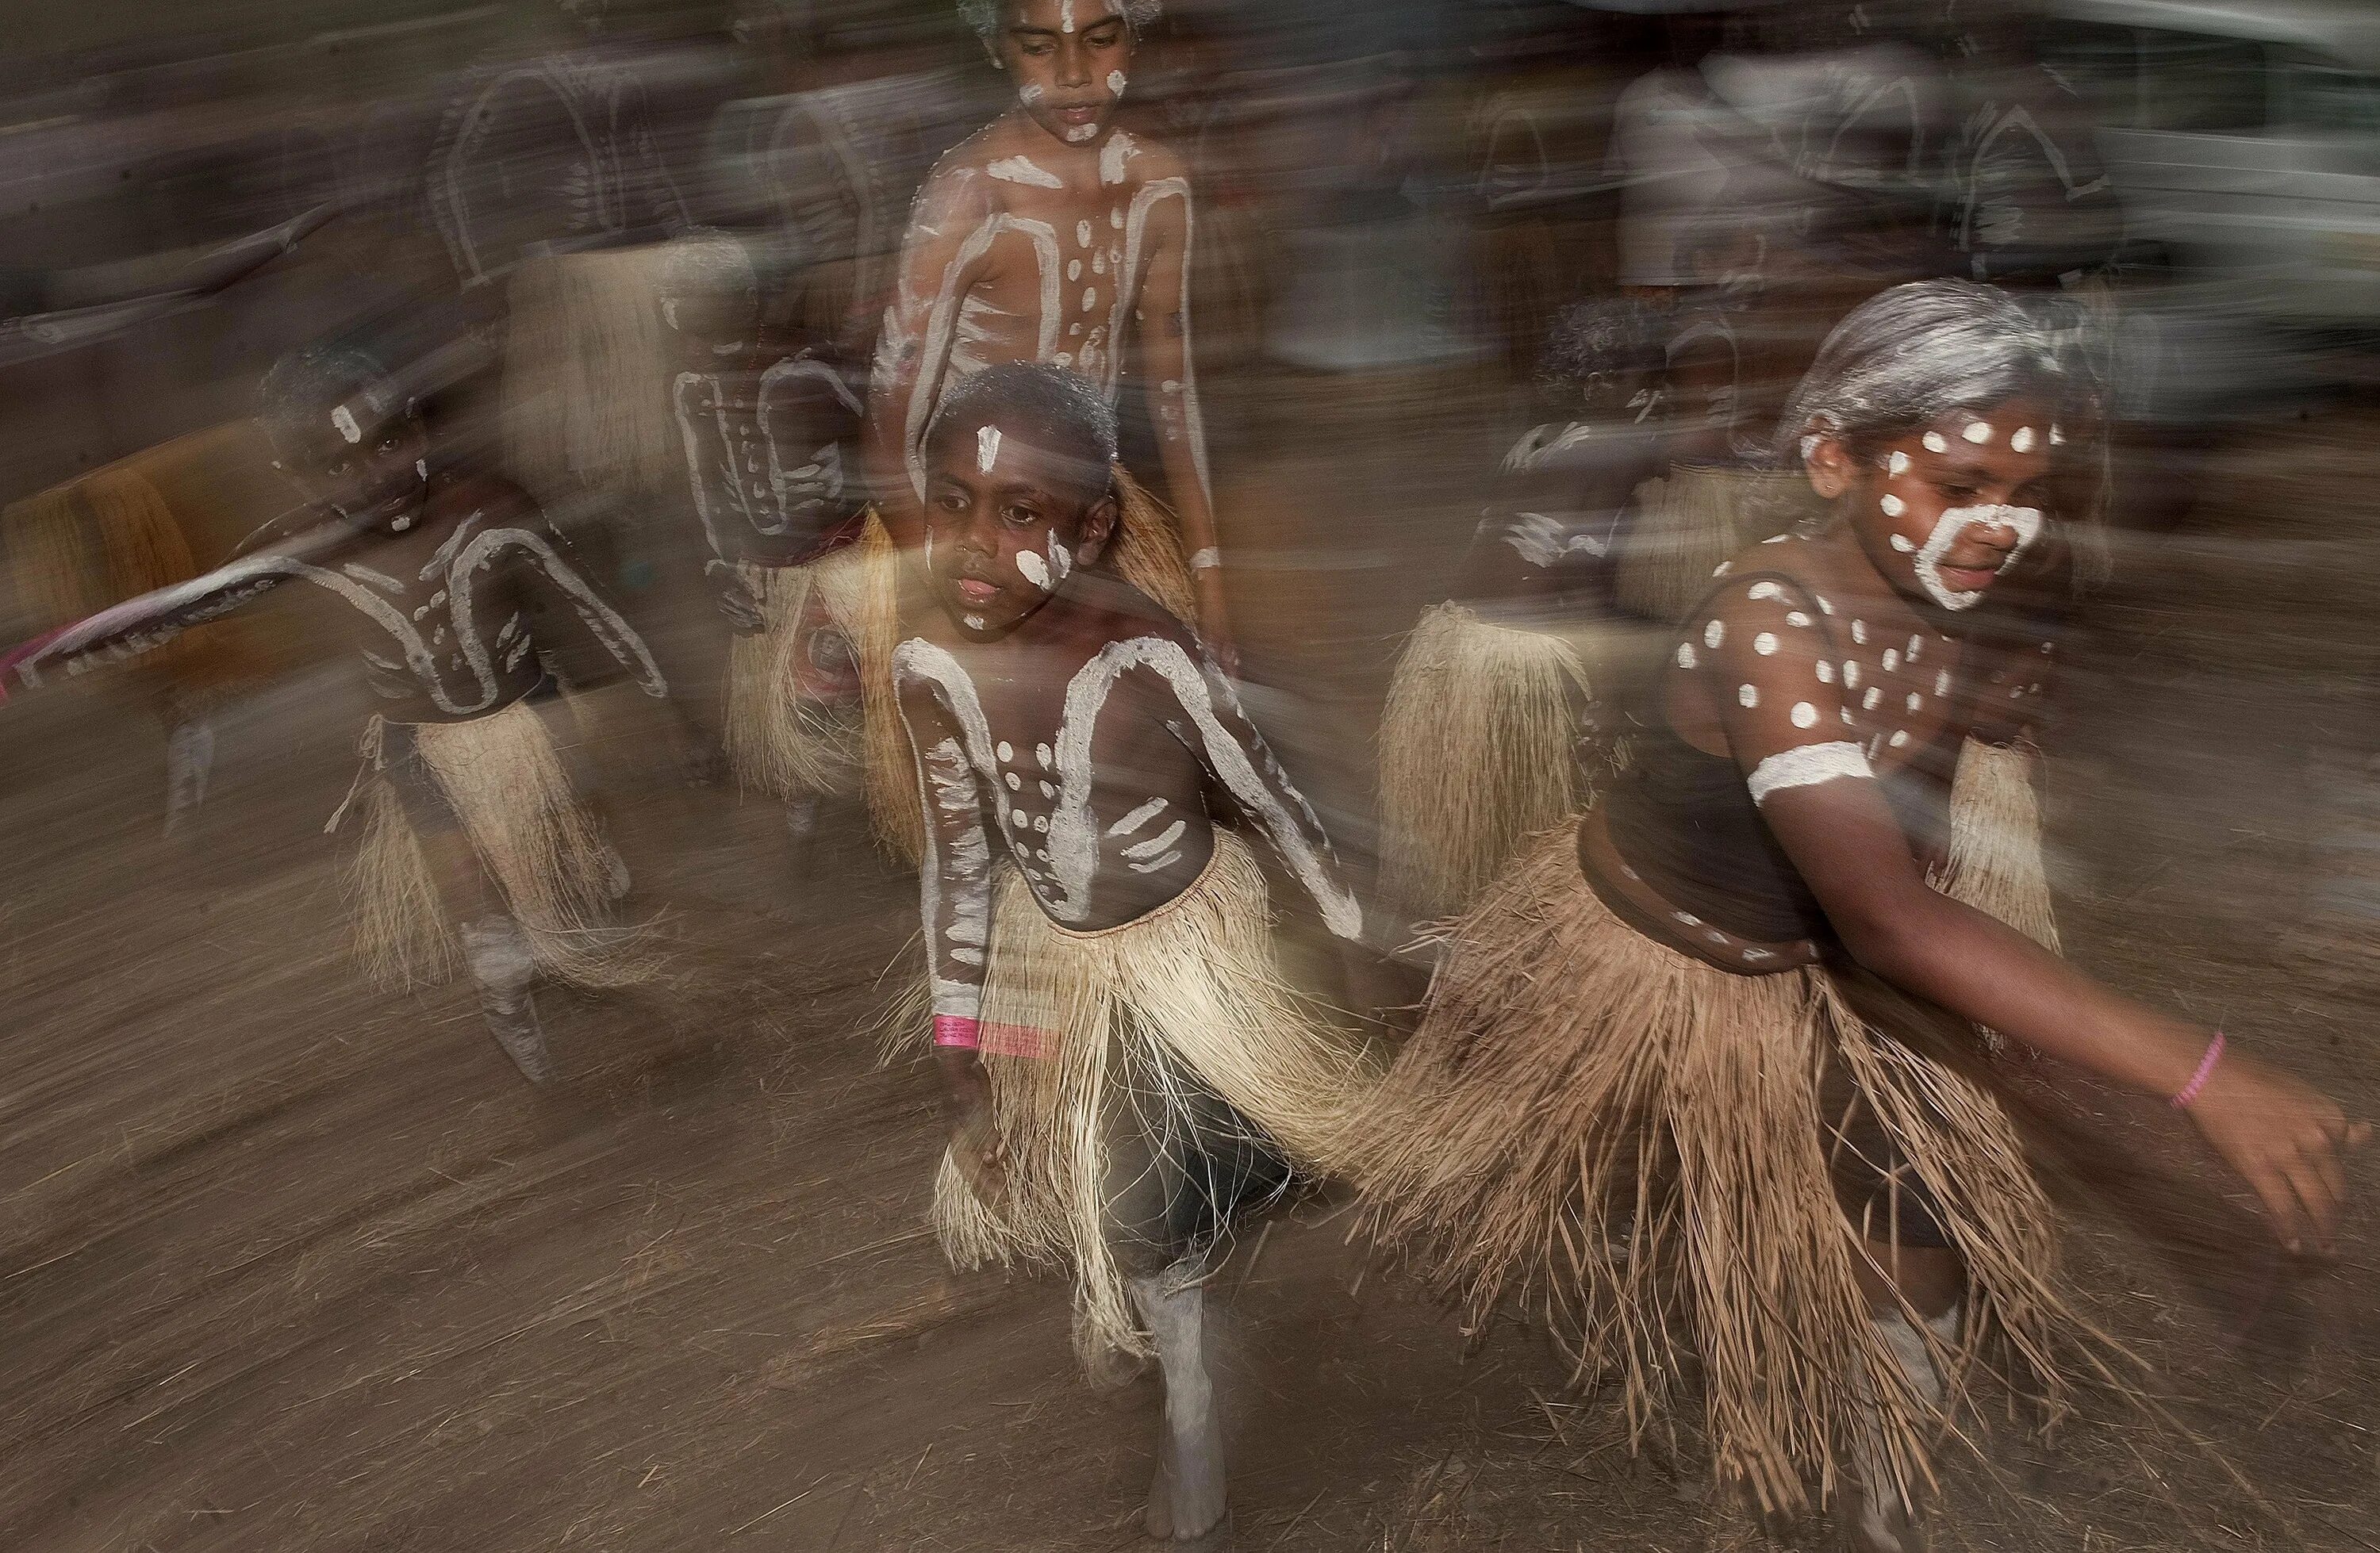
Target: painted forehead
{"x": 996, "y": 447}
{"x": 2020, "y": 426}
{"x": 1060, "y": 16}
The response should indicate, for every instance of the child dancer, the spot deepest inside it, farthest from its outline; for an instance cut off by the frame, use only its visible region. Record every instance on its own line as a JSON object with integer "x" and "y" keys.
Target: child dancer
{"x": 1699, "y": 1071}
{"x": 1125, "y": 1062}
{"x": 457, "y": 589}
{"x": 772, "y": 462}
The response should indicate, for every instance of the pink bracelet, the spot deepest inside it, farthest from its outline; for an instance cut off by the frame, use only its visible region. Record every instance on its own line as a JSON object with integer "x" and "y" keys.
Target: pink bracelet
{"x": 2188, "y": 1092}
{"x": 958, "y": 1030}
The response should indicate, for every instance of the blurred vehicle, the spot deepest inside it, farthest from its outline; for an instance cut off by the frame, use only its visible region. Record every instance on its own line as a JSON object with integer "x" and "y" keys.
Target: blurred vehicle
{"x": 2243, "y": 138}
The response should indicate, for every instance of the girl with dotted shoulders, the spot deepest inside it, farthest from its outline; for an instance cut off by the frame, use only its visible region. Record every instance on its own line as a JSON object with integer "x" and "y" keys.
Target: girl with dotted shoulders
{"x": 1698, "y": 1075}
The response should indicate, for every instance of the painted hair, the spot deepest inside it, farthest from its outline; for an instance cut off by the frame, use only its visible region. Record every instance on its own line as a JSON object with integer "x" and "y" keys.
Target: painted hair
{"x": 1060, "y": 405}
{"x": 983, "y": 16}
{"x": 1915, "y": 353}
{"x": 307, "y": 383}
{"x": 1616, "y": 338}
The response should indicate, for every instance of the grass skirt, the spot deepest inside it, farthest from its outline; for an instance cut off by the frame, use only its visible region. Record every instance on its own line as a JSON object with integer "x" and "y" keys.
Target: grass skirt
{"x": 1688, "y": 522}
{"x": 781, "y": 739}
{"x": 1478, "y": 752}
{"x": 1070, "y": 1019}
{"x": 1146, "y": 551}
{"x": 1669, "y": 1203}
{"x": 505, "y": 782}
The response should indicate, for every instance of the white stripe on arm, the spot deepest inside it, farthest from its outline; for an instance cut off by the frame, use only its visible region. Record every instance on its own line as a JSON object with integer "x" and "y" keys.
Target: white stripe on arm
{"x": 1807, "y": 766}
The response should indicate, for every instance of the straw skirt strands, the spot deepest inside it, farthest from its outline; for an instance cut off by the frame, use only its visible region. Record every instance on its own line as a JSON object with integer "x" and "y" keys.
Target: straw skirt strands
{"x": 1996, "y": 864}
{"x": 1478, "y": 752}
{"x": 1145, "y": 551}
{"x": 1632, "y": 1139}
{"x": 503, "y": 781}
{"x": 1689, "y": 522}
{"x": 1190, "y": 992}
{"x": 779, "y": 739}
{"x": 588, "y": 363}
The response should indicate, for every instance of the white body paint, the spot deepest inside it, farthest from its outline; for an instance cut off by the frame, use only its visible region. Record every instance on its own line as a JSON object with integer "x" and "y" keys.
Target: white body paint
{"x": 987, "y": 448}
{"x": 1064, "y": 887}
{"x": 1024, "y": 170}
{"x": 463, "y": 557}
{"x": 2024, "y": 521}
{"x": 1807, "y": 766}
{"x": 344, "y": 420}
{"x": 1033, "y": 569}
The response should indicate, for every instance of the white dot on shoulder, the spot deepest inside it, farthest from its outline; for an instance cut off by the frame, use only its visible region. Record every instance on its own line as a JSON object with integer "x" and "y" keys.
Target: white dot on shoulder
{"x": 1714, "y": 634}
{"x": 1015, "y": 781}
{"x": 1760, "y": 590}
{"x": 1805, "y": 714}
{"x": 1859, "y": 632}
{"x": 1899, "y": 737}
{"x": 1891, "y": 660}
{"x": 1915, "y": 701}
{"x": 1686, "y": 659}
{"x": 1765, "y": 643}
{"x": 1795, "y": 618}
{"x": 1007, "y": 751}
{"x": 1745, "y": 695}
{"x": 1942, "y": 683}
{"x": 1826, "y": 673}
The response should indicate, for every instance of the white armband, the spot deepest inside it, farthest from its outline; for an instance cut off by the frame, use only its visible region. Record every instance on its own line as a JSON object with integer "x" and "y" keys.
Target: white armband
{"x": 1807, "y": 766}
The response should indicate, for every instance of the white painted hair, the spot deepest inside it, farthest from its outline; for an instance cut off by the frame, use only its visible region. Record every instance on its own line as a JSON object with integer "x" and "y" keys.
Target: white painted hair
{"x": 983, "y": 16}
{"x": 1066, "y": 405}
{"x": 1914, "y": 353}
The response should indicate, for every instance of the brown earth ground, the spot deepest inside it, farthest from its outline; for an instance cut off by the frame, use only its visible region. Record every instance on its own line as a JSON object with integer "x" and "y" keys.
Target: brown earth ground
{"x": 286, "y": 1265}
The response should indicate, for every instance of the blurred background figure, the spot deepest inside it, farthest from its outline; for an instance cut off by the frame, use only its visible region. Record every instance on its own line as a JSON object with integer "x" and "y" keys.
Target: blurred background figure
{"x": 1489, "y": 309}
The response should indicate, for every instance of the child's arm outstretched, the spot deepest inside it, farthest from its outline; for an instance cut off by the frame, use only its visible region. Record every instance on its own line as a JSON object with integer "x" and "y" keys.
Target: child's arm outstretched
{"x": 151, "y": 620}
{"x": 955, "y": 904}
{"x": 1782, "y": 708}
{"x": 569, "y": 614}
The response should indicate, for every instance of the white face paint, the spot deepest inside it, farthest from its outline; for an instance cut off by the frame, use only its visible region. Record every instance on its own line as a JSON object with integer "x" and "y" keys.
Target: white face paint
{"x": 1903, "y": 543}
{"x": 972, "y": 622}
{"x": 1061, "y": 561}
{"x": 1115, "y": 83}
{"x": 1898, "y": 463}
{"x": 1937, "y": 442}
{"x": 1065, "y": 16}
{"x": 1978, "y": 432}
{"x": 1892, "y": 506}
{"x": 344, "y": 420}
{"x": 1033, "y": 569}
{"x": 987, "y": 448}
{"x": 2020, "y": 440}
{"x": 1030, "y": 94}
{"x": 2025, "y": 521}
{"x": 1113, "y": 155}
{"x": 1076, "y": 134}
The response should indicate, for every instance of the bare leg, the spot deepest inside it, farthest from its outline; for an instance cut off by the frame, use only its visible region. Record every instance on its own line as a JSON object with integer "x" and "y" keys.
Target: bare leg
{"x": 499, "y": 955}
{"x": 1185, "y": 1501}
{"x": 495, "y": 945}
{"x": 189, "y": 761}
{"x": 1931, "y": 1279}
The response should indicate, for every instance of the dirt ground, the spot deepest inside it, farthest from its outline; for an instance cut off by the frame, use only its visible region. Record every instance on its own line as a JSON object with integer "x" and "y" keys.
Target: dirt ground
{"x": 286, "y": 1265}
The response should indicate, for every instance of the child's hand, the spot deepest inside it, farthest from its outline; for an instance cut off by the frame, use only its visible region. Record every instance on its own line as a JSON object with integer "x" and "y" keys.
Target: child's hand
{"x": 2285, "y": 1139}
{"x": 737, "y": 605}
{"x": 1215, "y": 621}
{"x": 975, "y": 1147}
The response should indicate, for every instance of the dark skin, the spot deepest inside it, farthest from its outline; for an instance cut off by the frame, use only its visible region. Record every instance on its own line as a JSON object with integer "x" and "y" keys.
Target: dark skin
{"x": 2283, "y": 1138}
{"x": 1006, "y": 499}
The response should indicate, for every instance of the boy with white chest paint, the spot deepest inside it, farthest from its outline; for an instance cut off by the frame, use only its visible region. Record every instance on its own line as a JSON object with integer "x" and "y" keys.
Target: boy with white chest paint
{"x": 457, "y": 592}
{"x": 1051, "y": 235}
{"x": 1126, "y": 1065}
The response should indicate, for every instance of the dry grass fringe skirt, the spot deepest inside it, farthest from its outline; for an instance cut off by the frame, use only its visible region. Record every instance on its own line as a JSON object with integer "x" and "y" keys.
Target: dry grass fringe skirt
{"x": 506, "y": 784}
{"x": 1478, "y": 752}
{"x": 1193, "y": 988}
{"x": 780, "y": 741}
{"x": 1669, "y": 1206}
{"x": 1688, "y": 522}
{"x": 1146, "y": 551}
